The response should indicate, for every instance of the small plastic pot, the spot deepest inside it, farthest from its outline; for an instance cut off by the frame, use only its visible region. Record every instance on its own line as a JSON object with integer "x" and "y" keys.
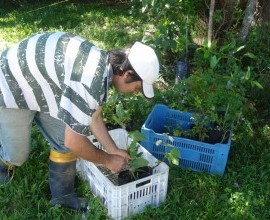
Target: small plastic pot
{"x": 126, "y": 176}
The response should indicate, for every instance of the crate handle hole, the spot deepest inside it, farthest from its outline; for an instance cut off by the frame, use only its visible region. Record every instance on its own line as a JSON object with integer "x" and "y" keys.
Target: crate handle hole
{"x": 142, "y": 183}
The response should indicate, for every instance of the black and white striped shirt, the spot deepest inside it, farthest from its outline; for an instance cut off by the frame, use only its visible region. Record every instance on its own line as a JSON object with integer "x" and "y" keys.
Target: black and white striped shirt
{"x": 59, "y": 74}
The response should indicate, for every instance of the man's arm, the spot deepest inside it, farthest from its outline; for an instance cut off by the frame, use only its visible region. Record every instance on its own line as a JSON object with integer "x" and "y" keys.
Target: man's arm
{"x": 100, "y": 131}
{"x": 83, "y": 148}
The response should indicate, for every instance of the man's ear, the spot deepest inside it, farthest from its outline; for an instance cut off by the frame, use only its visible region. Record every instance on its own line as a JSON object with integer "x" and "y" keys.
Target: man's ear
{"x": 127, "y": 74}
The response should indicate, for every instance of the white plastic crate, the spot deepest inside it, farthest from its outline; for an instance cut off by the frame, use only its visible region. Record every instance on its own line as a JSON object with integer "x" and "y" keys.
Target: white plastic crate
{"x": 131, "y": 198}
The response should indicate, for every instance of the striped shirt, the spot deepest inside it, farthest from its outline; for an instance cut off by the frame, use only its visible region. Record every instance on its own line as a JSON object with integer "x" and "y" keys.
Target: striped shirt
{"x": 59, "y": 74}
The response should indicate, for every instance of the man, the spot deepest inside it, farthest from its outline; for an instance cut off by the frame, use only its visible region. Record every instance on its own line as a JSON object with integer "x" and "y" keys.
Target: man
{"x": 59, "y": 81}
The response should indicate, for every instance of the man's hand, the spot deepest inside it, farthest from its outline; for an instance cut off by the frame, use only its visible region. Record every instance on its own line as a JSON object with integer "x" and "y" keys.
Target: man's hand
{"x": 122, "y": 153}
{"x": 116, "y": 163}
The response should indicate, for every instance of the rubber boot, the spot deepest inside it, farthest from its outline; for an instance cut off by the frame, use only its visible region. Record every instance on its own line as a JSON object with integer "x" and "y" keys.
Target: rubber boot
{"x": 6, "y": 171}
{"x": 61, "y": 180}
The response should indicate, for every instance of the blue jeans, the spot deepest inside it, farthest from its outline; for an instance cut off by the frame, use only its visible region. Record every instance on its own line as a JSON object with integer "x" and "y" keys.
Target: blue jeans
{"x": 15, "y": 133}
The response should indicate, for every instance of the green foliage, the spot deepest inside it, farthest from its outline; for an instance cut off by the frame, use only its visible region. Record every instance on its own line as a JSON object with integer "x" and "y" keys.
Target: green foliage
{"x": 137, "y": 161}
{"x": 114, "y": 109}
{"x": 173, "y": 154}
{"x": 217, "y": 89}
{"x": 114, "y": 112}
{"x": 173, "y": 23}
{"x": 122, "y": 117}
{"x": 258, "y": 43}
{"x": 128, "y": 111}
{"x": 225, "y": 59}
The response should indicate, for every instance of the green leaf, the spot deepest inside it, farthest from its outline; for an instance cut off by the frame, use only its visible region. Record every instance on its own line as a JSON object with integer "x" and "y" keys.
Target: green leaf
{"x": 138, "y": 163}
{"x": 206, "y": 54}
{"x": 117, "y": 120}
{"x": 238, "y": 49}
{"x": 224, "y": 48}
{"x": 120, "y": 110}
{"x": 137, "y": 135}
{"x": 146, "y": 39}
{"x": 144, "y": 8}
{"x": 140, "y": 154}
{"x": 175, "y": 153}
{"x": 213, "y": 62}
{"x": 250, "y": 55}
{"x": 247, "y": 75}
{"x": 257, "y": 84}
{"x": 175, "y": 161}
{"x": 173, "y": 156}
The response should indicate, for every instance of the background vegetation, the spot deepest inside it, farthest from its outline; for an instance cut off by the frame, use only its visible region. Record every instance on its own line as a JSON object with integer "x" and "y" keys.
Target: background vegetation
{"x": 227, "y": 71}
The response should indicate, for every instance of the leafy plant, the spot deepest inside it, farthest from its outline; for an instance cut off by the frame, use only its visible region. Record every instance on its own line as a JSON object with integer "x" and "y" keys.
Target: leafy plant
{"x": 171, "y": 155}
{"x": 216, "y": 91}
{"x": 128, "y": 111}
{"x": 121, "y": 117}
{"x": 113, "y": 111}
{"x": 137, "y": 161}
{"x": 208, "y": 98}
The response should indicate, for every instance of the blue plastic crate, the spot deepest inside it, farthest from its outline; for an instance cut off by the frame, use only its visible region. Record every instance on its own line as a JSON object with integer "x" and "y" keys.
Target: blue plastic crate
{"x": 195, "y": 155}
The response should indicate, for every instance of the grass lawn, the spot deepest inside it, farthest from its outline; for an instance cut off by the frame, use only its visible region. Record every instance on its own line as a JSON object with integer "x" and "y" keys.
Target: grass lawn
{"x": 243, "y": 192}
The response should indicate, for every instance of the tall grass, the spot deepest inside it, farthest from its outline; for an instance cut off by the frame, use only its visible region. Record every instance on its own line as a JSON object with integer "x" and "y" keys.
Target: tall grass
{"x": 242, "y": 193}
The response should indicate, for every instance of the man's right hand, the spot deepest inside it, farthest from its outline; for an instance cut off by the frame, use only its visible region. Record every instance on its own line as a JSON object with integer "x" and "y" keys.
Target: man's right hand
{"x": 83, "y": 148}
{"x": 116, "y": 163}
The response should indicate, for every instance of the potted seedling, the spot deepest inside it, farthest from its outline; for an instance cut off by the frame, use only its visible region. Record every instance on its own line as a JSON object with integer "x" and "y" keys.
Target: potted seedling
{"x": 138, "y": 166}
{"x": 204, "y": 129}
{"x": 215, "y": 105}
{"x": 215, "y": 92}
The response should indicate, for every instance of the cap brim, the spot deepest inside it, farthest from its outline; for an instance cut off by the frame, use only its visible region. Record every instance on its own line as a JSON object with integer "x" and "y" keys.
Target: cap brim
{"x": 148, "y": 90}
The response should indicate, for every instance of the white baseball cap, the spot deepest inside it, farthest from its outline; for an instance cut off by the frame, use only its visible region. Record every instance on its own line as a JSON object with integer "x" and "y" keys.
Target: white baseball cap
{"x": 145, "y": 62}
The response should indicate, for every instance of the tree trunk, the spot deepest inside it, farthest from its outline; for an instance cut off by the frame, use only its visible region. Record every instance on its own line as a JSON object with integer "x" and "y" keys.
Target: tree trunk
{"x": 248, "y": 19}
{"x": 210, "y": 23}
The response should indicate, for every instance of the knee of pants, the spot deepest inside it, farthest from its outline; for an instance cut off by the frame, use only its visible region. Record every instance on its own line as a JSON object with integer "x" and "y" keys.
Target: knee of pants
{"x": 15, "y": 135}
{"x": 15, "y": 155}
{"x": 15, "y": 149}
{"x": 19, "y": 160}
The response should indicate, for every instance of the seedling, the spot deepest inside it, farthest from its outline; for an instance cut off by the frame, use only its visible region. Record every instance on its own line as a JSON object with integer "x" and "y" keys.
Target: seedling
{"x": 173, "y": 155}
{"x": 121, "y": 117}
{"x": 137, "y": 161}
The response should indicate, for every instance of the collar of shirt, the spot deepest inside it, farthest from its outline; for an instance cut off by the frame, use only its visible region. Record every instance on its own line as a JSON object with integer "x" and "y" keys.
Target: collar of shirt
{"x": 108, "y": 82}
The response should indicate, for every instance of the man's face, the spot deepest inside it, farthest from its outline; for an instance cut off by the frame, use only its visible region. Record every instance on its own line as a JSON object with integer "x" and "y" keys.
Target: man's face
{"x": 122, "y": 84}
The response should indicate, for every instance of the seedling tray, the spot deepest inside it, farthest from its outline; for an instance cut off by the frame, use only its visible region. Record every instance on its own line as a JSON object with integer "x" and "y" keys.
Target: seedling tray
{"x": 194, "y": 155}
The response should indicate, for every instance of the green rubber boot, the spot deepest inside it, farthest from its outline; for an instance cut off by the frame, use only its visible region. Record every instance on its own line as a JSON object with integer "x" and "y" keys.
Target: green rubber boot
{"x": 61, "y": 180}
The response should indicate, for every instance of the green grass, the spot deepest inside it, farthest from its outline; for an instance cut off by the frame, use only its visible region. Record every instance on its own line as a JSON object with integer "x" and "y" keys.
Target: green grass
{"x": 243, "y": 192}
{"x": 106, "y": 27}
